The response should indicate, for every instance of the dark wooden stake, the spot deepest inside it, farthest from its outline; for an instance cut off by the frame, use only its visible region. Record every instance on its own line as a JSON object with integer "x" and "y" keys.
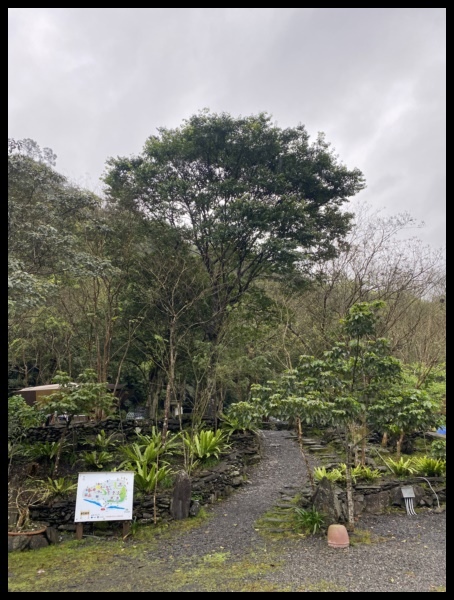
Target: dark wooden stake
{"x": 79, "y": 530}
{"x": 126, "y": 527}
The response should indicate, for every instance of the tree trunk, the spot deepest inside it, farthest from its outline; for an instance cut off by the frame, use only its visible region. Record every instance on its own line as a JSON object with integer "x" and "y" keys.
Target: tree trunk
{"x": 60, "y": 448}
{"x": 170, "y": 384}
{"x": 363, "y": 439}
{"x": 349, "y": 485}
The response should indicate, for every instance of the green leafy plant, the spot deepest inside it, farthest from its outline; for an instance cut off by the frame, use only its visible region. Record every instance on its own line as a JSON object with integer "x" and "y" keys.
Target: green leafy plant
{"x": 148, "y": 477}
{"x": 59, "y": 487}
{"x": 21, "y": 416}
{"x": 142, "y": 454}
{"x": 309, "y": 520}
{"x": 97, "y": 460}
{"x": 239, "y": 422}
{"x": 365, "y": 473}
{"x": 403, "y": 467}
{"x": 430, "y": 467}
{"x": 438, "y": 449}
{"x": 43, "y": 450}
{"x": 168, "y": 445}
{"x": 206, "y": 443}
{"x": 331, "y": 475}
{"x": 104, "y": 441}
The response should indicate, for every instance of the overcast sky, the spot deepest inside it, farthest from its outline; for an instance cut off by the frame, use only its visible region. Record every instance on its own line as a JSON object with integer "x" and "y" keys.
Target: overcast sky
{"x": 91, "y": 83}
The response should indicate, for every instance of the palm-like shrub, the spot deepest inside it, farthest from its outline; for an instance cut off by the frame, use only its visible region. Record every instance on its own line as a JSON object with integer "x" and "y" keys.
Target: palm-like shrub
{"x": 430, "y": 467}
{"x": 97, "y": 459}
{"x": 402, "y": 467}
{"x": 332, "y": 475}
{"x": 147, "y": 477}
{"x": 207, "y": 443}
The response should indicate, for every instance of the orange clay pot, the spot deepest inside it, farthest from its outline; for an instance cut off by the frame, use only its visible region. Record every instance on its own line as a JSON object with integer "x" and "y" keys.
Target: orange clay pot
{"x": 338, "y": 536}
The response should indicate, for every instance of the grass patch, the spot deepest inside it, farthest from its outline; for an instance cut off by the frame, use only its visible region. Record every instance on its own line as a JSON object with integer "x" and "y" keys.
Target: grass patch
{"x": 323, "y": 586}
{"x": 364, "y": 536}
{"x": 438, "y": 588}
{"x": 99, "y": 565}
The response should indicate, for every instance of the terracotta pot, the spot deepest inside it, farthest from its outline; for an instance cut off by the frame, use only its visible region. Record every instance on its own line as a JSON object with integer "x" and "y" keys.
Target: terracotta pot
{"x": 338, "y": 536}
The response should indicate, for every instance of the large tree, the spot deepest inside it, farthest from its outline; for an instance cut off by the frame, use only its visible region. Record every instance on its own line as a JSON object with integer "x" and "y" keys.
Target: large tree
{"x": 250, "y": 198}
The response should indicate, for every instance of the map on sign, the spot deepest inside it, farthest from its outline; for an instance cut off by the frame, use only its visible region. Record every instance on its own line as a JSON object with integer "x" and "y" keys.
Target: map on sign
{"x": 104, "y": 496}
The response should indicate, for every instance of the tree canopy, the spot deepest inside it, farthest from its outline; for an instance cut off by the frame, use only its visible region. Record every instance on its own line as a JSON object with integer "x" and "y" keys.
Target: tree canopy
{"x": 252, "y": 199}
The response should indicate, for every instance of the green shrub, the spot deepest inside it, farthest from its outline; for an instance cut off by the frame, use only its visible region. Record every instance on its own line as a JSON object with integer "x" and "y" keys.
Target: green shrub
{"x": 365, "y": 473}
{"x": 97, "y": 460}
{"x": 402, "y": 467}
{"x": 206, "y": 443}
{"x": 438, "y": 449}
{"x": 332, "y": 475}
{"x": 148, "y": 477}
{"x": 59, "y": 487}
{"x": 309, "y": 520}
{"x": 430, "y": 467}
{"x": 43, "y": 450}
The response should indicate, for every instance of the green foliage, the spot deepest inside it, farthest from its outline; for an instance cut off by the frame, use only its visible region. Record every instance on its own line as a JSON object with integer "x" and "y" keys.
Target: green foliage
{"x": 259, "y": 183}
{"x": 332, "y": 474}
{"x": 361, "y": 473}
{"x": 365, "y": 473}
{"x": 149, "y": 448}
{"x": 406, "y": 409}
{"x": 403, "y": 467}
{"x": 147, "y": 477}
{"x": 438, "y": 449}
{"x": 85, "y": 396}
{"x": 43, "y": 450}
{"x": 309, "y": 520}
{"x": 168, "y": 445}
{"x": 42, "y": 209}
{"x": 429, "y": 466}
{"x": 102, "y": 441}
{"x": 97, "y": 460}
{"x": 358, "y": 473}
{"x": 59, "y": 487}
{"x": 206, "y": 443}
{"x": 238, "y": 418}
{"x": 21, "y": 416}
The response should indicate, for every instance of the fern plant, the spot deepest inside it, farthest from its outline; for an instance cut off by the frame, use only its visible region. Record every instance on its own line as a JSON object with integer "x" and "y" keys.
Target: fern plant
{"x": 402, "y": 467}
{"x": 365, "y": 473}
{"x": 430, "y": 467}
{"x": 332, "y": 475}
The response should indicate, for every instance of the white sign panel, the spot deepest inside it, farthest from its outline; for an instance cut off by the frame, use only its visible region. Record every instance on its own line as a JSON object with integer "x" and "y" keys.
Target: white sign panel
{"x": 104, "y": 496}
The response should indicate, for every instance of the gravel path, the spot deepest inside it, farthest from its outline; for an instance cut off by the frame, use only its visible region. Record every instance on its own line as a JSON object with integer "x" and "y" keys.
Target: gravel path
{"x": 408, "y": 554}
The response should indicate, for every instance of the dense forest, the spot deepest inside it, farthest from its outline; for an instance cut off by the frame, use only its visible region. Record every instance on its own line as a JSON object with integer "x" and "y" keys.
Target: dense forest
{"x": 214, "y": 259}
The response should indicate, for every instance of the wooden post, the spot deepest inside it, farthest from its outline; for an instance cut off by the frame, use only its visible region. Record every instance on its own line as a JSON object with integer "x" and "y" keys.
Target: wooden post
{"x": 79, "y": 530}
{"x": 126, "y": 527}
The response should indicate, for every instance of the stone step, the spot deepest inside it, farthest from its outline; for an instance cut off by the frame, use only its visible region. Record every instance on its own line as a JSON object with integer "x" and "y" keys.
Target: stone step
{"x": 273, "y": 520}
